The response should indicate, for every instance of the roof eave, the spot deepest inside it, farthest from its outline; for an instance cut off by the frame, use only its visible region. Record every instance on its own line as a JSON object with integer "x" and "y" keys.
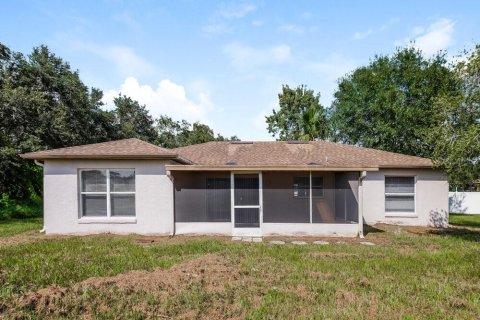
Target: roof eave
{"x": 100, "y": 157}
{"x": 403, "y": 166}
{"x": 266, "y": 168}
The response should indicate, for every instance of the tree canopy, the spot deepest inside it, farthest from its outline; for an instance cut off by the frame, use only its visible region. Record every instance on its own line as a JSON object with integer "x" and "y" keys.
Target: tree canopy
{"x": 456, "y": 139}
{"x": 390, "y": 104}
{"x": 300, "y": 115}
{"x": 174, "y": 134}
{"x": 44, "y": 104}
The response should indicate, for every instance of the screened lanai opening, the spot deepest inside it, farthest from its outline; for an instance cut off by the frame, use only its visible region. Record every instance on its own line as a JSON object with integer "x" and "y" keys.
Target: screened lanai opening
{"x": 288, "y": 197}
{"x": 304, "y": 197}
{"x": 202, "y": 196}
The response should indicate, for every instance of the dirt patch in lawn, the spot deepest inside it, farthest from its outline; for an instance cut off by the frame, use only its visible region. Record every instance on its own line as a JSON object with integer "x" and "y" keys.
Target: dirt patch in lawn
{"x": 198, "y": 287}
{"x": 26, "y": 237}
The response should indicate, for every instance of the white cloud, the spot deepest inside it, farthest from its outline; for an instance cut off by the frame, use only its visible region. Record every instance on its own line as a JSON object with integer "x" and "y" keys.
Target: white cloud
{"x": 218, "y": 22}
{"x": 237, "y": 10}
{"x": 243, "y": 56}
{"x": 437, "y": 36}
{"x": 362, "y": 35}
{"x": 125, "y": 60}
{"x": 168, "y": 98}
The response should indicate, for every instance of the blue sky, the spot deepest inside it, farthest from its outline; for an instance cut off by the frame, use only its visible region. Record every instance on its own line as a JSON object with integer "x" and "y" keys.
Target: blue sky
{"x": 223, "y": 63}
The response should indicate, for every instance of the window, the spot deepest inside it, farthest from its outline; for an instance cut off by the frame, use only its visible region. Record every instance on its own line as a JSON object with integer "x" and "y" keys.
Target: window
{"x": 400, "y": 194}
{"x": 301, "y": 187}
{"x": 107, "y": 193}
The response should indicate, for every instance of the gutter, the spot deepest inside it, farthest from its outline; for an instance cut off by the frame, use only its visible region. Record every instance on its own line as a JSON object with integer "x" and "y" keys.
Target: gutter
{"x": 170, "y": 176}
{"x": 363, "y": 175}
{"x": 38, "y": 163}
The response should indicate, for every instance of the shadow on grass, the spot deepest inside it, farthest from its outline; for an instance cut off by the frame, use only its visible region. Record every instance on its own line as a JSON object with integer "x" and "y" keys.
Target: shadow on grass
{"x": 459, "y": 233}
{"x": 465, "y": 220}
{"x": 370, "y": 229}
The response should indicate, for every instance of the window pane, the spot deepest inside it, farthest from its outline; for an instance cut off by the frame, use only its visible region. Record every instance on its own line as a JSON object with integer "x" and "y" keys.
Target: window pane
{"x": 399, "y": 185}
{"x": 301, "y": 187}
{"x": 94, "y": 205}
{"x": 317, "y": 186}
{"x": 94, "y": 181}
{"x": 122, "y": 180}
{"x": 400, "y": 203}
{"x": 122, "y": 205}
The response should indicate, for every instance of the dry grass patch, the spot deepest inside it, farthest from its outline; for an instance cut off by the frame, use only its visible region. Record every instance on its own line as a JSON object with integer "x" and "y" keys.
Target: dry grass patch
{"x": 169, "y": 293}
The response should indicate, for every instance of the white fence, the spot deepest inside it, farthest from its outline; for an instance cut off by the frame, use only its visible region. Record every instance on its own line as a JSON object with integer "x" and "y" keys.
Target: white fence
{"x": 464, "y": 202}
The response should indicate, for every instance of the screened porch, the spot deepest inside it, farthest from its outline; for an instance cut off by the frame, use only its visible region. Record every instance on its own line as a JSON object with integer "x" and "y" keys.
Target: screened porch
{"x": 254, "y": 199}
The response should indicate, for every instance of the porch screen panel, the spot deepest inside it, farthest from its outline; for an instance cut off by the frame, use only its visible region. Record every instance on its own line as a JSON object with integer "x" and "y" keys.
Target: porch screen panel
{"x": 323, "y": 197}
{"x": 337, "y": 201}
{"x": 202, "y": 196}
{"x": 218, "y": 199}
{"x": 247, "y": 218}
{"x": 246, "y": 190}
{"x": 286, "y": 197}
{"x": 346, "y": 195}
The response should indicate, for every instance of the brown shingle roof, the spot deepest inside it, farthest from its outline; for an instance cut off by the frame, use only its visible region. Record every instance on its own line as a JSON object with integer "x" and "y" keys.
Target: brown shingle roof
{"x": 269, "y": 154}
{"x": 282, "y": 153}
{"x": 119, "y": 149}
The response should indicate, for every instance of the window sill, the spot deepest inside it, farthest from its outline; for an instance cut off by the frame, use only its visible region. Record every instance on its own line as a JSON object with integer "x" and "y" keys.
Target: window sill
{"x": 401, "y": 215}
{"x": 118, "y": 220}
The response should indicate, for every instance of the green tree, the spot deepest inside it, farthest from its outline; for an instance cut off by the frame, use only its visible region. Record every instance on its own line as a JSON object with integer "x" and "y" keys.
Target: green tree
{"x": 456, "y": 139}
{"x": 174, "y": 134}
{"x": 133, "y": 119}
{"x": 300, "y": 117}
{"x": 389, "y": 104}
{"x": 43, "y": 104}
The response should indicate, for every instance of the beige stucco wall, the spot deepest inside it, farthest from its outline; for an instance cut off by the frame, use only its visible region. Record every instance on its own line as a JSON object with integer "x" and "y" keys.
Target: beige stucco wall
{"x": 431, "y": 198}
{"x": 154, "y": 198}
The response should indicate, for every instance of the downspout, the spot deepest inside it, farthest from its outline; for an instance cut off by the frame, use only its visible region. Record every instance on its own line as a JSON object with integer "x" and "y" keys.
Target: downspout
{"x": 360, "y": 203}
{"x": 170, "y": 176}
{"x": 38, "y": 163}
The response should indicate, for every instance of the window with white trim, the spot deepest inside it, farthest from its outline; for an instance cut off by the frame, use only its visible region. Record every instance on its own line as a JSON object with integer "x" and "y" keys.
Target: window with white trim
{"x": 400, "y": 194}
{"x": 107, "y": 193}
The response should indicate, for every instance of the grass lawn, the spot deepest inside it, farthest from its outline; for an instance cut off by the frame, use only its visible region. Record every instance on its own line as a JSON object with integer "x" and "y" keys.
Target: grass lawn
{"x": 466, "y": 220}
{"x": 17, "y": 226}
{"x": 410, "y": 273}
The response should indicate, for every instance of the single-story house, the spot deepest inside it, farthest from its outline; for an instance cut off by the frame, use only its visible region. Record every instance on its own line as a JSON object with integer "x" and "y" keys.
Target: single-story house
{"x": 237, "y": 188}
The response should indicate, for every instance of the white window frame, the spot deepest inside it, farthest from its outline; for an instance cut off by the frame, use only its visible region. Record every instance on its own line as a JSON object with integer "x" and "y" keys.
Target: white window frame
{"x": 407, "y": 214}
{"x": 108, "y": 194}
